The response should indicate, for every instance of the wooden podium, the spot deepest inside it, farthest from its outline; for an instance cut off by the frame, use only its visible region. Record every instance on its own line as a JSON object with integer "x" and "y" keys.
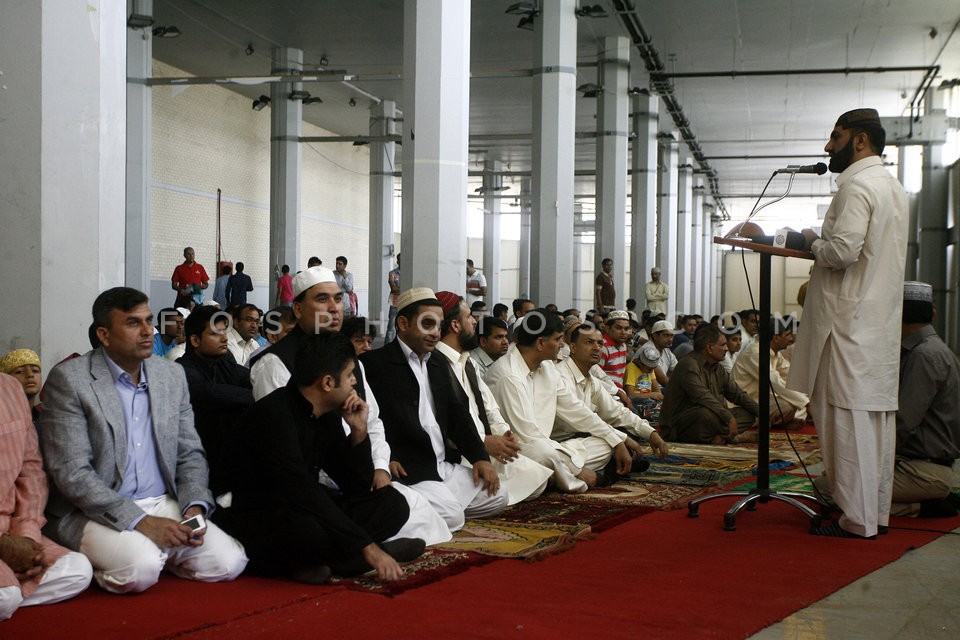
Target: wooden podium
{"x": 762, "y": 492}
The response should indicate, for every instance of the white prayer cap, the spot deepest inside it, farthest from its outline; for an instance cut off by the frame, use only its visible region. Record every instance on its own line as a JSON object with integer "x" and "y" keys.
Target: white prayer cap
{"x": 309, "y": 277}
{"x": 417, "y": 294}
{"x": 617, "y": 315}
{"x": 661, "y": 325}
{"x": 920, "y": 291}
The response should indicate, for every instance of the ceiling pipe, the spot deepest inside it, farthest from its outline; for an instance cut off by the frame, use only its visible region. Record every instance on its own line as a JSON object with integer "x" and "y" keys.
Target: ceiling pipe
{"x": 792, "y": 72}
{"x": 651, "y": 57}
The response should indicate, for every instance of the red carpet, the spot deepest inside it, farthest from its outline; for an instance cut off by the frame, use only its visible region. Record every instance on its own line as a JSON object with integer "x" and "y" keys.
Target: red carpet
{"x": 661, "y": 575}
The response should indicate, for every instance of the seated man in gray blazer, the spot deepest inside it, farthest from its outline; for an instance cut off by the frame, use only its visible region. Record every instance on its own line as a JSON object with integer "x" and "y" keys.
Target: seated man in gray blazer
{"x": 125, "y": 461}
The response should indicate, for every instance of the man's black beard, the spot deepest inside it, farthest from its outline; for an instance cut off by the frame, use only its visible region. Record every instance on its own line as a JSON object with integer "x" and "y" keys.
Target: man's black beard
{"x": 842, "y": 159}
{"x": 469, "y": 344}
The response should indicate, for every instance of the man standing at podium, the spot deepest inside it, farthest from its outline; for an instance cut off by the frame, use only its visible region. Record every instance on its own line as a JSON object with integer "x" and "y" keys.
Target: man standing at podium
{"x": 844, "y": 357}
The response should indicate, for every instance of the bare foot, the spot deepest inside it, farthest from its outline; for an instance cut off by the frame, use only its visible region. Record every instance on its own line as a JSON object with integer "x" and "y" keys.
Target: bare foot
{"x": 589, "y": 476}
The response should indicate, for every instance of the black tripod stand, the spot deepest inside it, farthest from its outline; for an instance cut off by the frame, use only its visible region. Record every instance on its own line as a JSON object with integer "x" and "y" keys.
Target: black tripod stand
{"x": 762, "y": 492}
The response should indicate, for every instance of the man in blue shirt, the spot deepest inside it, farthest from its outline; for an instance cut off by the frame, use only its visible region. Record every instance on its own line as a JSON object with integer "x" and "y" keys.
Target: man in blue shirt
{"x": 126, "y": 462}
{"x": 169, "y": 331}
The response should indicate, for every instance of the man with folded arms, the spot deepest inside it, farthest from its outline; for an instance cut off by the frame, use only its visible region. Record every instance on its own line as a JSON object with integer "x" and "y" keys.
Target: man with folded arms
{"x": 290, "y": 523}
{"x": 523, "y": 478}
{"x": 533, "y": 398}
{"x": 427, "y": 427}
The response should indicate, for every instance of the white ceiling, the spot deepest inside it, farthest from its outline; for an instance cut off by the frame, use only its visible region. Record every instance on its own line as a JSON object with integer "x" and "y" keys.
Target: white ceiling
{"x": 782, "y": 115}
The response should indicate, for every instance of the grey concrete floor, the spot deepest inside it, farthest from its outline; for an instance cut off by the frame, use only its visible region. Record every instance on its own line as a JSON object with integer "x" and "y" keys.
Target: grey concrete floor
{"x": 915, "y": 597}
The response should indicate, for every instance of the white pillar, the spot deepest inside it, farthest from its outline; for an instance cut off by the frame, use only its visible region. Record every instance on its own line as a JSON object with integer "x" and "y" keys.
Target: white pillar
{"x": 62, "y": 140}
{"x": 644, "y": 193}
{"x": 611, "y": 184}
{"x": 716, "y": 267}
{"x": 523, "y": 277}
{"x": 286, "y": 166}
{"x": 139, "y": 144}
{"x": 667, "y": 237}
{"x": 684, "y": 290}
{"x": 492, "y": 182}
{"x": 436, "y": 111}
{"x": 706, "y": 250}
{"x": 932, "y": 216}
{"x": 698, "y": 248}
{"x": 381, "y": 249}
{"x": 554, "y": 110}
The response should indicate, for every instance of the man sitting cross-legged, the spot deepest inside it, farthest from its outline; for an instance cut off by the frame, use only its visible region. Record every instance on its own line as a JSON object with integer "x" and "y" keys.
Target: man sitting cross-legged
{"x": 523, "y": 478}
{"x": 928, "y": 416}
{"x": 694, "y": 409}
{"x": 788, "y": 408}
{"x": 427, "y": 427}
{"x": 33, "y": 569}
{"x": 127, "y": 464}
{"x": 586, "y": 344}
{"x": 318, "y": 307}
{"x": 533, "y": 398}
{"x": 290, "y": 524}
{"x": 219, "y": 389}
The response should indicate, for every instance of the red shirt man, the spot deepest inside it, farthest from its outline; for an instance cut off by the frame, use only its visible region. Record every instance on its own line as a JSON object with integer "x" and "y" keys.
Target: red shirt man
{"x": 613, "y": 358}
{"x": 188, "y": 278}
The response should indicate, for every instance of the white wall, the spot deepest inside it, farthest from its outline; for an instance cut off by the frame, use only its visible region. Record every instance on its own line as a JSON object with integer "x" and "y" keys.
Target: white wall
{"x": 208, "y": 137}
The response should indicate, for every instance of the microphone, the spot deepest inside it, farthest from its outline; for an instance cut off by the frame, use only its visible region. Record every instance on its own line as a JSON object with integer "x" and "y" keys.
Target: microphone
{"x": 819, "y": 169}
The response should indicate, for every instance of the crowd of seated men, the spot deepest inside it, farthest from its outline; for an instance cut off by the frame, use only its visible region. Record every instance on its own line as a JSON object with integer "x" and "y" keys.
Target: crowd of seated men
{"x": 285, "y": 444}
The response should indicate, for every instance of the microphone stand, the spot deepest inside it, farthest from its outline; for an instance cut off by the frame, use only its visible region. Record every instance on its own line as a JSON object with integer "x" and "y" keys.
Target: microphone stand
{"x": 762, "y": 492}
{"x": 756, "y": 209}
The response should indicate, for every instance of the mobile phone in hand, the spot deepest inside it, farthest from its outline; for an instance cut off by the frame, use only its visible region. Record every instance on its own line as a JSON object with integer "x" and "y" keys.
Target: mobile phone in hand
{"x": 196, "y": 523}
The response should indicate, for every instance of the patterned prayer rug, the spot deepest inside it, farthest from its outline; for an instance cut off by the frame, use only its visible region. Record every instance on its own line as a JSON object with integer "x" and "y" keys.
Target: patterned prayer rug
{"x": 628, "y": 491}
{"x": 554, "y": 508}
{"x": 786, "y": 482}
{"x": 677, "y": 470}
{"x": 435, "y": 564}
{"x": 515, "y": 539}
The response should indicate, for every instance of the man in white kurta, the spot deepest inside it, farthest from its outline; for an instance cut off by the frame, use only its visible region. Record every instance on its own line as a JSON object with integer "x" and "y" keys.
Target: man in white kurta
{"x": 532, "y": 396}
{"x": 656, "y": 292}
{"x": 788, "y": 405}
{"x": 844, "y": 358}
{"x": 585, "y": 345}
{"x": 523, "y": 478}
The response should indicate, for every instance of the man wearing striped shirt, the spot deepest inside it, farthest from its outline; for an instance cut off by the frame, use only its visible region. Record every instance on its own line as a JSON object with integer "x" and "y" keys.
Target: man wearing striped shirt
{"x": 613, "y": 359}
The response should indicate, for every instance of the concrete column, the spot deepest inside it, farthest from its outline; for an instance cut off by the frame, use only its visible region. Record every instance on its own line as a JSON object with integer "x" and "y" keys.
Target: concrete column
{"x": 492, "y": 183}
{"x": 684, "y": 297}
{"x": 667, "y": 236}
{"x": 523, "y": 283}
{"x": 286, "y": 167}
{"x": 644, "y": 193}
{"x": 933, "y": 234}
{"x": 716, "y": 268}
{"x": 139, "y": 150}
{"x": 436, "y": 99}
{"x": 381, "y": 250}
{"x": 698, "y": 248}
{"x": 613, "y": 73}
{"x": 554, "y": 111}
{"x": 62, "y": 140}
{"x": 910, "y": 268}
{"x": 706, "y": 251}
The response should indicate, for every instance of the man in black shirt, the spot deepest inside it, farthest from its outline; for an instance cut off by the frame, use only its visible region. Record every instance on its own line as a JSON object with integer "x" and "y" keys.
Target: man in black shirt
{"x": 289, "y": 520}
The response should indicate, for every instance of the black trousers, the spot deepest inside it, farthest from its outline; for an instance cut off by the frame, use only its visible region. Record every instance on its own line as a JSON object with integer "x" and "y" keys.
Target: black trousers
{"x": 280, "y": 539}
